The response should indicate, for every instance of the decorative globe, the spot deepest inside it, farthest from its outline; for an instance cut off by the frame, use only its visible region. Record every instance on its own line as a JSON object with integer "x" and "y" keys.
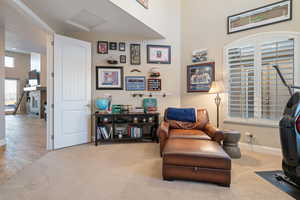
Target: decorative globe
{"x": 102, "y": 103}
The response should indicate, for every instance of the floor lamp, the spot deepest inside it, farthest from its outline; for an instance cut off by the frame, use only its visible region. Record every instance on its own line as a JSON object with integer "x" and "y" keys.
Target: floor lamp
{"x": 217, "y": 88}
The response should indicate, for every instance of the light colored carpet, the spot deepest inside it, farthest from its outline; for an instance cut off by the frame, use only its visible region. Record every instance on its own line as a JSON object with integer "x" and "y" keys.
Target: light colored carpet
{"x": 131, "y": 172}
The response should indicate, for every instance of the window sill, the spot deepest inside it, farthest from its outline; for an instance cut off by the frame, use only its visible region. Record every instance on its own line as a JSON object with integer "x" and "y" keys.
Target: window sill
{"x": 259, "y": 123}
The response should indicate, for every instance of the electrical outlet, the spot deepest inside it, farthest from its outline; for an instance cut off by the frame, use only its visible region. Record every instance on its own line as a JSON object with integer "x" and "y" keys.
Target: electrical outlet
{"x": 249, "y": 137}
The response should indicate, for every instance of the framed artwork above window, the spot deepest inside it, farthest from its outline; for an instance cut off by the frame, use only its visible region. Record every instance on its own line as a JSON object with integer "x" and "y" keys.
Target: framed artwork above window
{"x": 270, "y": 14}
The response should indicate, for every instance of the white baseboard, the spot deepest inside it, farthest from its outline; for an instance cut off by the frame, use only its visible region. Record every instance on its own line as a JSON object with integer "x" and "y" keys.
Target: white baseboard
{"x": 2, "y": 142}
{"x": 261, "y": 149}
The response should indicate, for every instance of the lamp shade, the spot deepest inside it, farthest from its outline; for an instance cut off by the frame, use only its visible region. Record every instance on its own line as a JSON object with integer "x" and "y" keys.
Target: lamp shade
{"x": 216, "y": 87}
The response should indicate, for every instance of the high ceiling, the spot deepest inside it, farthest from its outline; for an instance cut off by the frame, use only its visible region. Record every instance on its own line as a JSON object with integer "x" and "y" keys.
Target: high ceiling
{"x": 98, "y": 16}
{"x": 66, "y": 17}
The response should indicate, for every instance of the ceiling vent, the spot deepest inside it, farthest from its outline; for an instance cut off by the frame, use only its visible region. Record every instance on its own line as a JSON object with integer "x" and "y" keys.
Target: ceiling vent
{"x": 86, "y": 20}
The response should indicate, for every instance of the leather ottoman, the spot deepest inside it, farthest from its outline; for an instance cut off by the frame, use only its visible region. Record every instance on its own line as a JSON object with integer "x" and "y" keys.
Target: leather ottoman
{"x": 197, "y": 160}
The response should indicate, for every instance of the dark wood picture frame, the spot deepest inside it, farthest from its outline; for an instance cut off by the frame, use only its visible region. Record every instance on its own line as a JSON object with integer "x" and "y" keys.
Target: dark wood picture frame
{"x": 123, "y": 59}
{"x": 248, "y": 11}
{"x": 99, "y": 50}
{"x": 151, "y": 61}
{"x": 122, "y": 46}
{"x": 198, "y": 87}
{"x": 135, "y": 54}
{"x": 110, "y": 88}
{"x": 154, "y": 84}
{"x": 113, "y": 46}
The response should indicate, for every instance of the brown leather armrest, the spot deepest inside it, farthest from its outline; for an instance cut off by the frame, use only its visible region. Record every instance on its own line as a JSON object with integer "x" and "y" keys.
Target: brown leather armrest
{"x": 216, "y": 134}
{"x": 163, "y": 134}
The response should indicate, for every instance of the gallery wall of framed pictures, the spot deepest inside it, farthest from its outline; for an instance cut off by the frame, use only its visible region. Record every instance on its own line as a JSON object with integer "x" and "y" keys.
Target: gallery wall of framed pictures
{"x": 155, "y": 54}
{"x": 138, "y": 56}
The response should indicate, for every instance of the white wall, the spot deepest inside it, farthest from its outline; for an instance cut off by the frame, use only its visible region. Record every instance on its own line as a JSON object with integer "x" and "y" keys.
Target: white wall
{"x": 170, "y": 73}
{"x": 204, "y": 26}
{"x": 2, "y": 115}
{"x": 155, "y": 17}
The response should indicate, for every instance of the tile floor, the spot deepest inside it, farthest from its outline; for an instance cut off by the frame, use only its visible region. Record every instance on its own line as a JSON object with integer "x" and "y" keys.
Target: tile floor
{"x": 26, "y": 142}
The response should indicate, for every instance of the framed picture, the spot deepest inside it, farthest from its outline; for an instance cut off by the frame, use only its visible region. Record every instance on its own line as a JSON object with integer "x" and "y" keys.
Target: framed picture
{"x": 154, "y": 84}
{"x": 200, "y": 77}
{"x": 135, "y": 54}
{"x": 113, "y": 46}
{"x": 122, "y": 46}
{"x": 144, "y": 3}
{"x": 109, "y": 78}
{"x": 266, "y": 15}
{"x": 102, "y": 47}
{"x": 158, "y": 54}
{"x": 200, "y": 56}
{"x": 135, "y": 83}
{"x": 122, "y": 59}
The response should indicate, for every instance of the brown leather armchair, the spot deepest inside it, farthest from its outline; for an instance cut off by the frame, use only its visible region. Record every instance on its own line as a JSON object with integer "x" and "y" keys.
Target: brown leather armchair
{"x": 202, "y": 129}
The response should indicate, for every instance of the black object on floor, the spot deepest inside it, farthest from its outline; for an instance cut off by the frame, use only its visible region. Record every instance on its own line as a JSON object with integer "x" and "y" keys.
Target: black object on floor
{"x": 272, "y": 177}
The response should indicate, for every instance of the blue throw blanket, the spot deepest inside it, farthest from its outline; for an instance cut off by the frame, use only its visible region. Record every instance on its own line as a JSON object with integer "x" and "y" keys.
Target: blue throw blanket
{"x": 181, "y": 114}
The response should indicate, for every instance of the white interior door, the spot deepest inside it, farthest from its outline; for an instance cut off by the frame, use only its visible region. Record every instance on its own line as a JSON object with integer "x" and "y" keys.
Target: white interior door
{"x": 72, "y": 92}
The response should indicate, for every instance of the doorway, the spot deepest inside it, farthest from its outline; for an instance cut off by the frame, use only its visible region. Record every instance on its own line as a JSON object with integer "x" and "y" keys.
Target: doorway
{"x": 11, "y": 94}
{"x": 25, "y": 93}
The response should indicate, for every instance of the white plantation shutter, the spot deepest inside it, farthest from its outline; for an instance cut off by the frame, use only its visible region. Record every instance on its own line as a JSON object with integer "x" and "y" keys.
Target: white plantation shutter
{"x": 241, "y": 82}
{"x": 273, "y": 93}
{"x": 255, "y": 90}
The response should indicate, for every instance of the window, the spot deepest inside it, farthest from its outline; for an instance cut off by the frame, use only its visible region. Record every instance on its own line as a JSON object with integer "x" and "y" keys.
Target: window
{"x": 9, "y": 62}
{"x": 241, "y": 94}
{"x": 255, "y": 91}
{"x": 35, "y": 62}
{"x": 273, "y": 93}
{"x": 11, "y": 88}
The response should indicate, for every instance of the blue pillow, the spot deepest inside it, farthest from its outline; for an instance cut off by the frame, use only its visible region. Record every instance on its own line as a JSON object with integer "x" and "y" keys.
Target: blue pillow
{"x": 181, "y": 114}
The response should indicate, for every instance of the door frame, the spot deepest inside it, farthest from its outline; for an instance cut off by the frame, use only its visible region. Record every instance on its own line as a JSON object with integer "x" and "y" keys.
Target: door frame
{"x": 50, "y": 91}
{"x": 18, "y": 91}
{"x": 25, "y": 10}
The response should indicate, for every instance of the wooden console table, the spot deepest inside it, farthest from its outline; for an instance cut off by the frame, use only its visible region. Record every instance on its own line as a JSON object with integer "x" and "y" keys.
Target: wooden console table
{"x": 129, "y": 127}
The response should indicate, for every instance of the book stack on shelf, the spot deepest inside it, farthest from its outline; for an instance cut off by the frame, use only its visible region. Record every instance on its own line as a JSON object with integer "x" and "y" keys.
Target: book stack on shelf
{"x": 135, "y": 132}
{"x": 103, "y": 133}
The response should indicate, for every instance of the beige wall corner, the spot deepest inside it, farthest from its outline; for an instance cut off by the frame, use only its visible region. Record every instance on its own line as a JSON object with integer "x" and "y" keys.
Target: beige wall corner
{"x": 153, "y": 17}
